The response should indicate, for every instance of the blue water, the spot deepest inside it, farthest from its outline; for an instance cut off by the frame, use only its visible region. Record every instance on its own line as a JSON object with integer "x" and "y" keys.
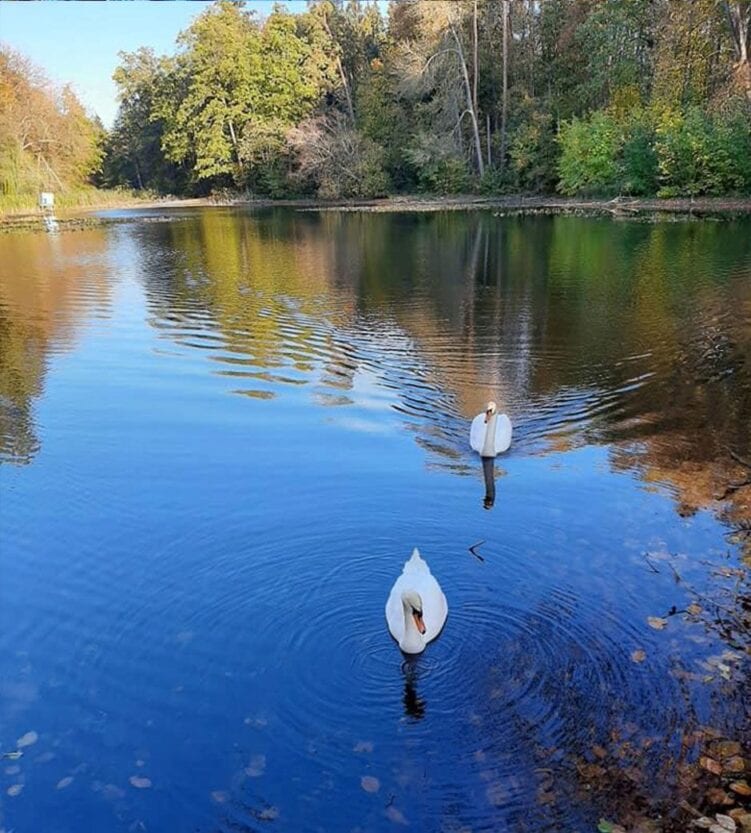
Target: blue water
{"x": 224, "y": 432}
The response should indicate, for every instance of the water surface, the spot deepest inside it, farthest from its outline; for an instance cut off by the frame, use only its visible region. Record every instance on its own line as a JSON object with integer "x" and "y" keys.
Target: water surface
{"x": 221, "y": 435}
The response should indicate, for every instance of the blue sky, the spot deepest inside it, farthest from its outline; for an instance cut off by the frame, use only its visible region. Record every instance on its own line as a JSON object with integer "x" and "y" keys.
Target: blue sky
{"x": 78, "y": 42}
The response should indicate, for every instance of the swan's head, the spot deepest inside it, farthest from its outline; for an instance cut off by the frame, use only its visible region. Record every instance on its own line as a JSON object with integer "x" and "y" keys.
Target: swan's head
{"x": 413, "y": 606}
{"x": 490, "y": 409}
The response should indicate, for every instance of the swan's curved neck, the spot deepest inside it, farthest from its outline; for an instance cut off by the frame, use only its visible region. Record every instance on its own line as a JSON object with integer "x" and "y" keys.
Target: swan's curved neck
{"x": 413, "y": 641}
{"x": 488, "y": 447}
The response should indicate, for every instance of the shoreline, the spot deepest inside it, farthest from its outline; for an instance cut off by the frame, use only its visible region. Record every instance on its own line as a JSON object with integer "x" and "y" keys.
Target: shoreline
{"x": 617, "y": 207}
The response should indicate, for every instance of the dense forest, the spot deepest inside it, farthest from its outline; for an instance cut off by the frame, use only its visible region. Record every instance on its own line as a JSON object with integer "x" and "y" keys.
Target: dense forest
{"x": 580, "y": 97}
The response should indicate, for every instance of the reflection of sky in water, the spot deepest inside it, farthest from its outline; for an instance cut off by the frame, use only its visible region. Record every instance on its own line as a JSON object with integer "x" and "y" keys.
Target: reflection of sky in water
{"x": 193, "y": 580}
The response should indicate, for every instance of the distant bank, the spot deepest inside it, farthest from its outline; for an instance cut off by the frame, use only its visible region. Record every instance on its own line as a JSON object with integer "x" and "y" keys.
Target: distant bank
{"x": 623, "y": 207}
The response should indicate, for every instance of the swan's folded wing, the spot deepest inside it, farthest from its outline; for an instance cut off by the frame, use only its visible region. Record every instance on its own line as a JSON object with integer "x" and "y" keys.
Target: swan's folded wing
{"x": 502, "y": 434}
{"x": 477, "y": 433}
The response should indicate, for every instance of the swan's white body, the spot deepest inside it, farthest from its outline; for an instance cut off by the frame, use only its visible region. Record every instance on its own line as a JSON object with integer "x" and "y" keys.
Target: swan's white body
{"x": 415, "y": 586}
{"x": 490, "y": 433}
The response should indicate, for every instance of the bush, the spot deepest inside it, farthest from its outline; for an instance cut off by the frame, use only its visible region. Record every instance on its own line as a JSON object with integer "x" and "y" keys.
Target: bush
{"x": 533, "y": 153}
{"x": 700, "y": 153}
{"x": 639, "y": 161}
{"x": 336, "y": 160}
{"x": 439, "y": 169}
{"x": 589, "y": 155}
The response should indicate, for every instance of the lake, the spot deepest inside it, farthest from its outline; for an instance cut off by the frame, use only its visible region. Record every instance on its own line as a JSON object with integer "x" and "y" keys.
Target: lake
{"x": 223, "y": 432}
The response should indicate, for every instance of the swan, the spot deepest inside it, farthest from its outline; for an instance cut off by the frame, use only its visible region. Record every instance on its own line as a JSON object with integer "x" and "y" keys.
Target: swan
{"x": 490, "y": 434}
{"x": 416, "y": 608}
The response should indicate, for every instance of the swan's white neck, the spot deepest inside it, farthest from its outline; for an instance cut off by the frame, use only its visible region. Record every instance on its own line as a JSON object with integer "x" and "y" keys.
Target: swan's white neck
{"x": 488, "y": 447}
{"x": 413, "y": 641}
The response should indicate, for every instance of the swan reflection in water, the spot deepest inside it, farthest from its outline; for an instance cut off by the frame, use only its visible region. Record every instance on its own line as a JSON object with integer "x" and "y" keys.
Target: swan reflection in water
{"x": 488, "y": 470}
{"x": 414, "y": 706}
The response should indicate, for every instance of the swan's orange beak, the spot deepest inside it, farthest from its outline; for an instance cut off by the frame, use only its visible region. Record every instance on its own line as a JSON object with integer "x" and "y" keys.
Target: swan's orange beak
{"x": 419, "y": 624}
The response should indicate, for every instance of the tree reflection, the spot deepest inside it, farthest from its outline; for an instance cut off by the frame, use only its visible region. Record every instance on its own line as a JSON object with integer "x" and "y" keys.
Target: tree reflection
{"x": 45, "y": 296}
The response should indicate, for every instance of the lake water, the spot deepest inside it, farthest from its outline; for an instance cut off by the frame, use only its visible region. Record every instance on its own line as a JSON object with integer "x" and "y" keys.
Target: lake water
{"x": 223, "y": 432}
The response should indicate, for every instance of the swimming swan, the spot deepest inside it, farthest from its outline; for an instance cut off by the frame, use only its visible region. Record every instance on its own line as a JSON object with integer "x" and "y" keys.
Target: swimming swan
{"x": 416, "y": 608}
{"x": 490, "y": 433}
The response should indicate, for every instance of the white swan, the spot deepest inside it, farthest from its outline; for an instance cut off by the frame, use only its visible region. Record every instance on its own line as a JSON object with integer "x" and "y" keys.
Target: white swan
{"x": 416, "y": 608}
{"x": 490, "y": 433}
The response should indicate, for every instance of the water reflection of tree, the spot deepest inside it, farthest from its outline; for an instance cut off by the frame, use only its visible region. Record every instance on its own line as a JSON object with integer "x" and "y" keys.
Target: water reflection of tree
{"x": 631, "y": 334}
{"x": 45, "y": 294}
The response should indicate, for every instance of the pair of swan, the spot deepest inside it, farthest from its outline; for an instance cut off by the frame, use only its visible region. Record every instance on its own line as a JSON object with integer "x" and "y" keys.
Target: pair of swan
{"x": 416, "y": 609}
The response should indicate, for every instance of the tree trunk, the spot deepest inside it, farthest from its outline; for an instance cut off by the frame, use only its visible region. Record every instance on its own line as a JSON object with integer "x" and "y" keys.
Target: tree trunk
{"x": 738, "y": 15}
{"x": 487, "y": 128}
{"x": 504, "y": 101}
{"x": 342, "y": 73}
{"x": 476, "y": 62}
{"x": 347, "y": 93}
{"x": 138, "y": 173}
{"x": 470, "y": 105}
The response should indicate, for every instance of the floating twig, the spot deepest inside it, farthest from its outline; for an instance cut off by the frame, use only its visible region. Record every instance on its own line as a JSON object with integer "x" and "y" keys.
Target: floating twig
{"x": 473, "y": 548}
{"x": 652, "y": 567}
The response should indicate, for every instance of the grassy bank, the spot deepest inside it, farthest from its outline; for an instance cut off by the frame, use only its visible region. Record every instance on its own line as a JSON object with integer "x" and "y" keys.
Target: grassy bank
{"x": 70, "y": 200}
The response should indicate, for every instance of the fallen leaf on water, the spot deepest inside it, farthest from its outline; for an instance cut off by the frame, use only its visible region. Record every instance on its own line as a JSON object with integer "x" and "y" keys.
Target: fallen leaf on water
{"x": 29, "y": 739}
{"x": 12, "y": 770}
{"x": 267, "y": 814}
{"x": 657, "y": 623}
{"x": 734, "y": 764}
{"x": 363, "y": 746}
{"x": 14, "y": 790}
{"x": 139, "y": 782}
{"x": 711, "y": 765}
{"x": 638, "y": 655}
{"x": 694, "y": 609}
{"x": 220, "y": 796}
{"x": 12, "y": 756}
{"x": 740, "y": 787}
{"x": 719, "y": 797}
{"x": 256, "y": 767}
{"x": 727, "y": 748}
{"x": 395, "y": 815}
{"x": 370, "y": 784}
{"x": 65, "y": 782}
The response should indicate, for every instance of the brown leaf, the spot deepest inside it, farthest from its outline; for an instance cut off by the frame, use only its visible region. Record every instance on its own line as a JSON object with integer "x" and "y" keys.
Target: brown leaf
{"x": 657, "y": 623}
{"x": 694, "y": 609}
{"x": 741, "y": 788}
{"x": 735, "y": 764}
{"x": 395, "y": 815}
{"x": 727, "y": 749}
{"x": 711, "y": 765}
{"x": 719, "y": 797}
{"x": 726, "y": 821}
{"x": 638, "y": 655}
{"x": 139, "y": 782}
{"x": 370, "y": 784}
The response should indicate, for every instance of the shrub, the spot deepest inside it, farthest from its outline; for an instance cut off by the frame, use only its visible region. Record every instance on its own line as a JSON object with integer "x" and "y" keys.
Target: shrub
{"x": 589, "y": 155}
{"x": 337, "y": 160}
{"x": 533, "y": 153}
{"x": 439, "y": 169}
{"x": 699, "y": 153}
